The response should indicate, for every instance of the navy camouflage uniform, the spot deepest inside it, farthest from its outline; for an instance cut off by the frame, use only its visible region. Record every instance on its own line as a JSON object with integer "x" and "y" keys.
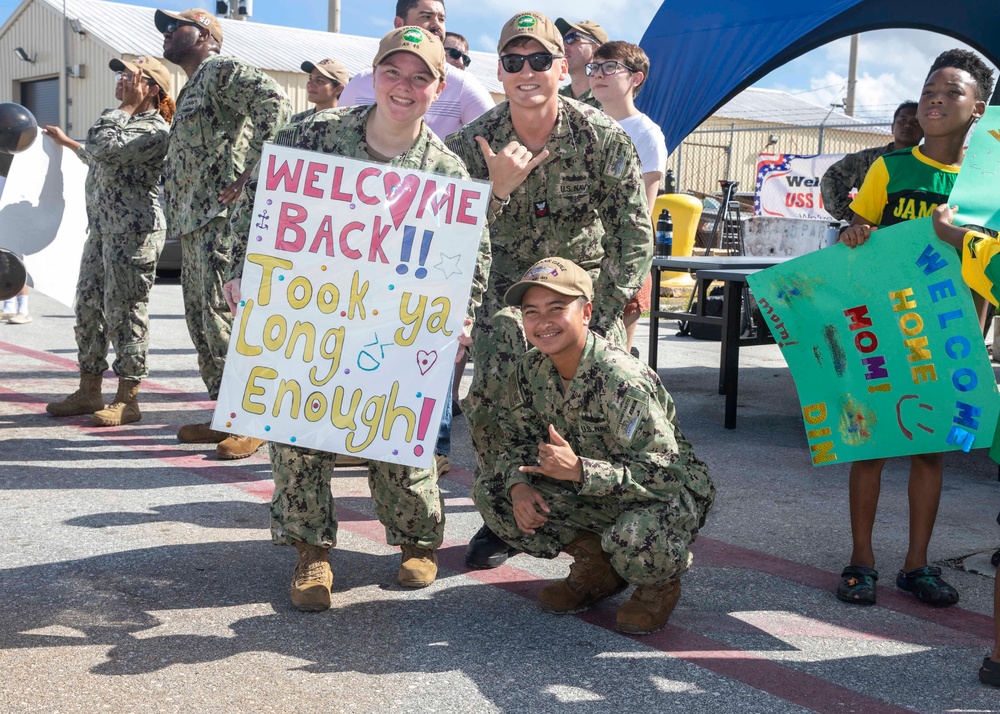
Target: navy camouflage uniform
{"x": 848, "y": 173}
{"x": 407, "y": 499}
{"x": 124, "y": 154}
{"x": 585, "y": 203}
{"x": 225, "y": 112}
{"x": 587, "y": 97}
{"x": 643, "y": 490}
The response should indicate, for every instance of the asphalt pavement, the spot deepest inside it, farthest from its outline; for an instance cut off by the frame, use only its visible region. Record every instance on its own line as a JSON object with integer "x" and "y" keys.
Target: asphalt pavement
{"x": 137, "y": 574}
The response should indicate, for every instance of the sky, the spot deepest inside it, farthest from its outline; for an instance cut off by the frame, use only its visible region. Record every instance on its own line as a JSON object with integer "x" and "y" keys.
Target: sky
{"x": 892, "y": 64}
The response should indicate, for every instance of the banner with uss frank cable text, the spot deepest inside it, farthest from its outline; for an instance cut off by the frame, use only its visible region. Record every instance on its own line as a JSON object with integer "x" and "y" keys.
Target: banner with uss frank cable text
{"x": 884, "y": 345}
{"x": 788, "y": 185}
{"x": 354, "y": 292}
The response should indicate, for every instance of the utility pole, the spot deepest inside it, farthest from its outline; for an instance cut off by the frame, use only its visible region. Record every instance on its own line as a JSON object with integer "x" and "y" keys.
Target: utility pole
{"x": 852, "y": 76}
{"x": 333, "y": 17}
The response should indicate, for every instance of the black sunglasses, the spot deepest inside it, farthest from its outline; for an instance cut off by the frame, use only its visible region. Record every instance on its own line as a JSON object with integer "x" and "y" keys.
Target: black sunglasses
{"x": 171, "y": 26}
{"x": 457, "y": 54}
{"x": 539, "y": 62}
{"x": 573, "y": 37}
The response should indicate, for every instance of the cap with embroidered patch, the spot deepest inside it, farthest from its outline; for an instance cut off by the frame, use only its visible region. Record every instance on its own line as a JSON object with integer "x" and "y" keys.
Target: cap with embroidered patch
{"x": 149, "y": 66}
{"x": 195, "y": 16}
{"x": 534, "y": 26}
{"x": 557, "y": 274}
{"x": 331, "y": 69}
{"x": 587, "y": 27}
{"x": 416, "y": 41}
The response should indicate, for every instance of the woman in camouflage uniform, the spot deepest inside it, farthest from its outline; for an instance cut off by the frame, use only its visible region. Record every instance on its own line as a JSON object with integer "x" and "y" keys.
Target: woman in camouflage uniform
{"x": 124, "y": 151}
{"x": 327, "y": 79}
{"x": 409, "y": 75}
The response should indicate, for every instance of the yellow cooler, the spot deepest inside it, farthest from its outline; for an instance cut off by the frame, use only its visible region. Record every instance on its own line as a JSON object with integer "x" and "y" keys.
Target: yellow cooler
{"x": 685, "y": 212}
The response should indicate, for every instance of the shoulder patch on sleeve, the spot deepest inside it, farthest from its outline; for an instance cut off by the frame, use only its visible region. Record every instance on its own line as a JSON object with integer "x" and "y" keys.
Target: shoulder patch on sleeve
{"x": 618, "y": 151}
{"x": 514, "y": 398}
{"x": 634, "y": 408}
{"x": 286, "y": 135}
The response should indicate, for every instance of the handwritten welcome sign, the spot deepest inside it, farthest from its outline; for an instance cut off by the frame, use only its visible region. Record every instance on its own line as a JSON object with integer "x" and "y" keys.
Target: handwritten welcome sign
{"x": 884, "y": 345}
{"x": 355, "y": 288}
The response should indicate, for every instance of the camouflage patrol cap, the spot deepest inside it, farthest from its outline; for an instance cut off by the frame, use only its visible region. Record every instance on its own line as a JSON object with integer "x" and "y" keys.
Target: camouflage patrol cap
{"x": 557, "y": 274}
{"x": 417, "y": 41}
{"x": 586, "y": 27}
{"x": 534, "y": 26}
{"x": 194, "y": 16}
{"x": 149, "y": 66}
{"x": 329, "y": 68}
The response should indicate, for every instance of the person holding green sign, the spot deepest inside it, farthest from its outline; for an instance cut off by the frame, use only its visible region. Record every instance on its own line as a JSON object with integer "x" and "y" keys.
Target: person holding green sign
{"x": 901, "y": 186}
{"x": 409, "y": 74}
{"x": 980, "y": 269}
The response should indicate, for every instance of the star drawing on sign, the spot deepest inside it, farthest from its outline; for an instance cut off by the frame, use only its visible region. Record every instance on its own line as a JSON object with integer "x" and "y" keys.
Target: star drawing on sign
{"x": 449, "y": 265}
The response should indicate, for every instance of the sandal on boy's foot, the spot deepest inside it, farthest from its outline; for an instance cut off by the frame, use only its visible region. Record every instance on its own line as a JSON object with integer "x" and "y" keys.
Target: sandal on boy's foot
{"x": 926, "y": 584}
{"x": 857, "y": 585}
{"x": 989, "y": 673}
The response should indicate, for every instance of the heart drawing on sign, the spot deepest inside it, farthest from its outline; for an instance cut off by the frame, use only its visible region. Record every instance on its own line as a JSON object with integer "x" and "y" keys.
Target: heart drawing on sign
{"x": 399, "y": 195}
{"x": 426, "y": 360}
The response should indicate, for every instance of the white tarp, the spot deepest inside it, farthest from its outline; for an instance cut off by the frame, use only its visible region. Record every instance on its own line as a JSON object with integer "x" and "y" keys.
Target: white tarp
{"x": 355, "y": 289}
{"x": 43, "y": 216}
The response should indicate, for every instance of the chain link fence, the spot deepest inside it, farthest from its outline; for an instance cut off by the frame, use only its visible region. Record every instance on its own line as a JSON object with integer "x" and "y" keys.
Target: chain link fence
{"x": 708, "y": 155}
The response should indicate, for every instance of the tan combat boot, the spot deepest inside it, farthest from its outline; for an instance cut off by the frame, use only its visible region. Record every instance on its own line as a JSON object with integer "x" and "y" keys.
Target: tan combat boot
{"x": 201, "y": 433}
{"x": 312, "y": 579}
{"x": 124, "y": 409}
{"x": 649, "y": 608}
{"x": 85, "y": 400}
{"x": 237, "y": 446}
{"x": 418, "y": 568}
{"x": 591, "y": 578}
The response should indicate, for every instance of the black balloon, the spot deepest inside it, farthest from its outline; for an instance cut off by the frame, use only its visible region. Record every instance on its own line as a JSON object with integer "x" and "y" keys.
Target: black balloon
{"x": 12, "y": 274}
{"x": 18, "y": 128}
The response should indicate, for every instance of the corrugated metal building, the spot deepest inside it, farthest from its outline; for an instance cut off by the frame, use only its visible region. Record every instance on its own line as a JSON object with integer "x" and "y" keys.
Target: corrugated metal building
{"x": 58, "y": 67}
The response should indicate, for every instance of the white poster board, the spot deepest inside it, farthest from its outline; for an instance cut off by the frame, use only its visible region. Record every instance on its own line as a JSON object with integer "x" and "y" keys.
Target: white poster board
{"x": 788, "y": 185}
{"x": 43, "y": 216}
{"x": 354, "y": 293}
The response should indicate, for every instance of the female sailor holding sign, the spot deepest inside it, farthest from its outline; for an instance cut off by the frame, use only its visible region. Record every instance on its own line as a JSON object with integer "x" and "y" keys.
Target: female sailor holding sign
{"x": 408, "y": 76}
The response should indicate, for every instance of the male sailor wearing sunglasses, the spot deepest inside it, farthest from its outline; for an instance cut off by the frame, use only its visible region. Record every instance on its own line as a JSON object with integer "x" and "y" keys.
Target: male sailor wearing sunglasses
{"x": 566, "y": 182}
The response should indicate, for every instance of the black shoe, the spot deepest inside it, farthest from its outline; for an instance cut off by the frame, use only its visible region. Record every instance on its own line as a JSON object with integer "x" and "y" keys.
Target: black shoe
{"x": 486, "y": 550}
{"x": 456, "y": 408}
{"x": 635, "y": 352}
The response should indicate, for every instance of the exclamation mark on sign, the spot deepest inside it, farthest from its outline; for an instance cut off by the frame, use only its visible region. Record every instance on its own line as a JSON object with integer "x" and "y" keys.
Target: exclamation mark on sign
{"x": 423, "y": 423}
{"x": 404, "y": 254}
{"x": 425, "y": 248}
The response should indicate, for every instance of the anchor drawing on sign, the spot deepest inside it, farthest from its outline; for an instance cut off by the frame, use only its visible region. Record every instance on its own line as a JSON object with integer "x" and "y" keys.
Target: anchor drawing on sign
{"x": 263, "y": 217}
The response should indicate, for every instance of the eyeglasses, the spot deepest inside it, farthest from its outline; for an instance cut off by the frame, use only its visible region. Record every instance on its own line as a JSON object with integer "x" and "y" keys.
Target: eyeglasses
{"x": 120, "y": 75}
{"x": 171, "y": 26}
{"x": 539, "y": 62}
{"x": 607, "y": 68}
{"x": 573, "y": 37}
{"x": 457, "y": 54}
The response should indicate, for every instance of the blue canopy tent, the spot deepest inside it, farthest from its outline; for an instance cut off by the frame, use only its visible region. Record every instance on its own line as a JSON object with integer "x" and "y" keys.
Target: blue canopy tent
{"x": 704, "y": 53}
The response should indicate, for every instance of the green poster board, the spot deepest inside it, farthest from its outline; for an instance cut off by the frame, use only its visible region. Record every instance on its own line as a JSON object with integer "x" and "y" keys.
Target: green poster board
{"x": 976, "y": 186}
{"x": 884, "y": 346}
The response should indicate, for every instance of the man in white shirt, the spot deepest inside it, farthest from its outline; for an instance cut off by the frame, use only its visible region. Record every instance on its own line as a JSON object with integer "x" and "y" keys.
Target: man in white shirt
{"x": 463, "y": 98}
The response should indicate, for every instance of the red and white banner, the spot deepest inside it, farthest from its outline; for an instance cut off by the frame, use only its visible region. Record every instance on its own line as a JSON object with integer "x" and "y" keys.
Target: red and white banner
{"x": 788, "y": 185}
